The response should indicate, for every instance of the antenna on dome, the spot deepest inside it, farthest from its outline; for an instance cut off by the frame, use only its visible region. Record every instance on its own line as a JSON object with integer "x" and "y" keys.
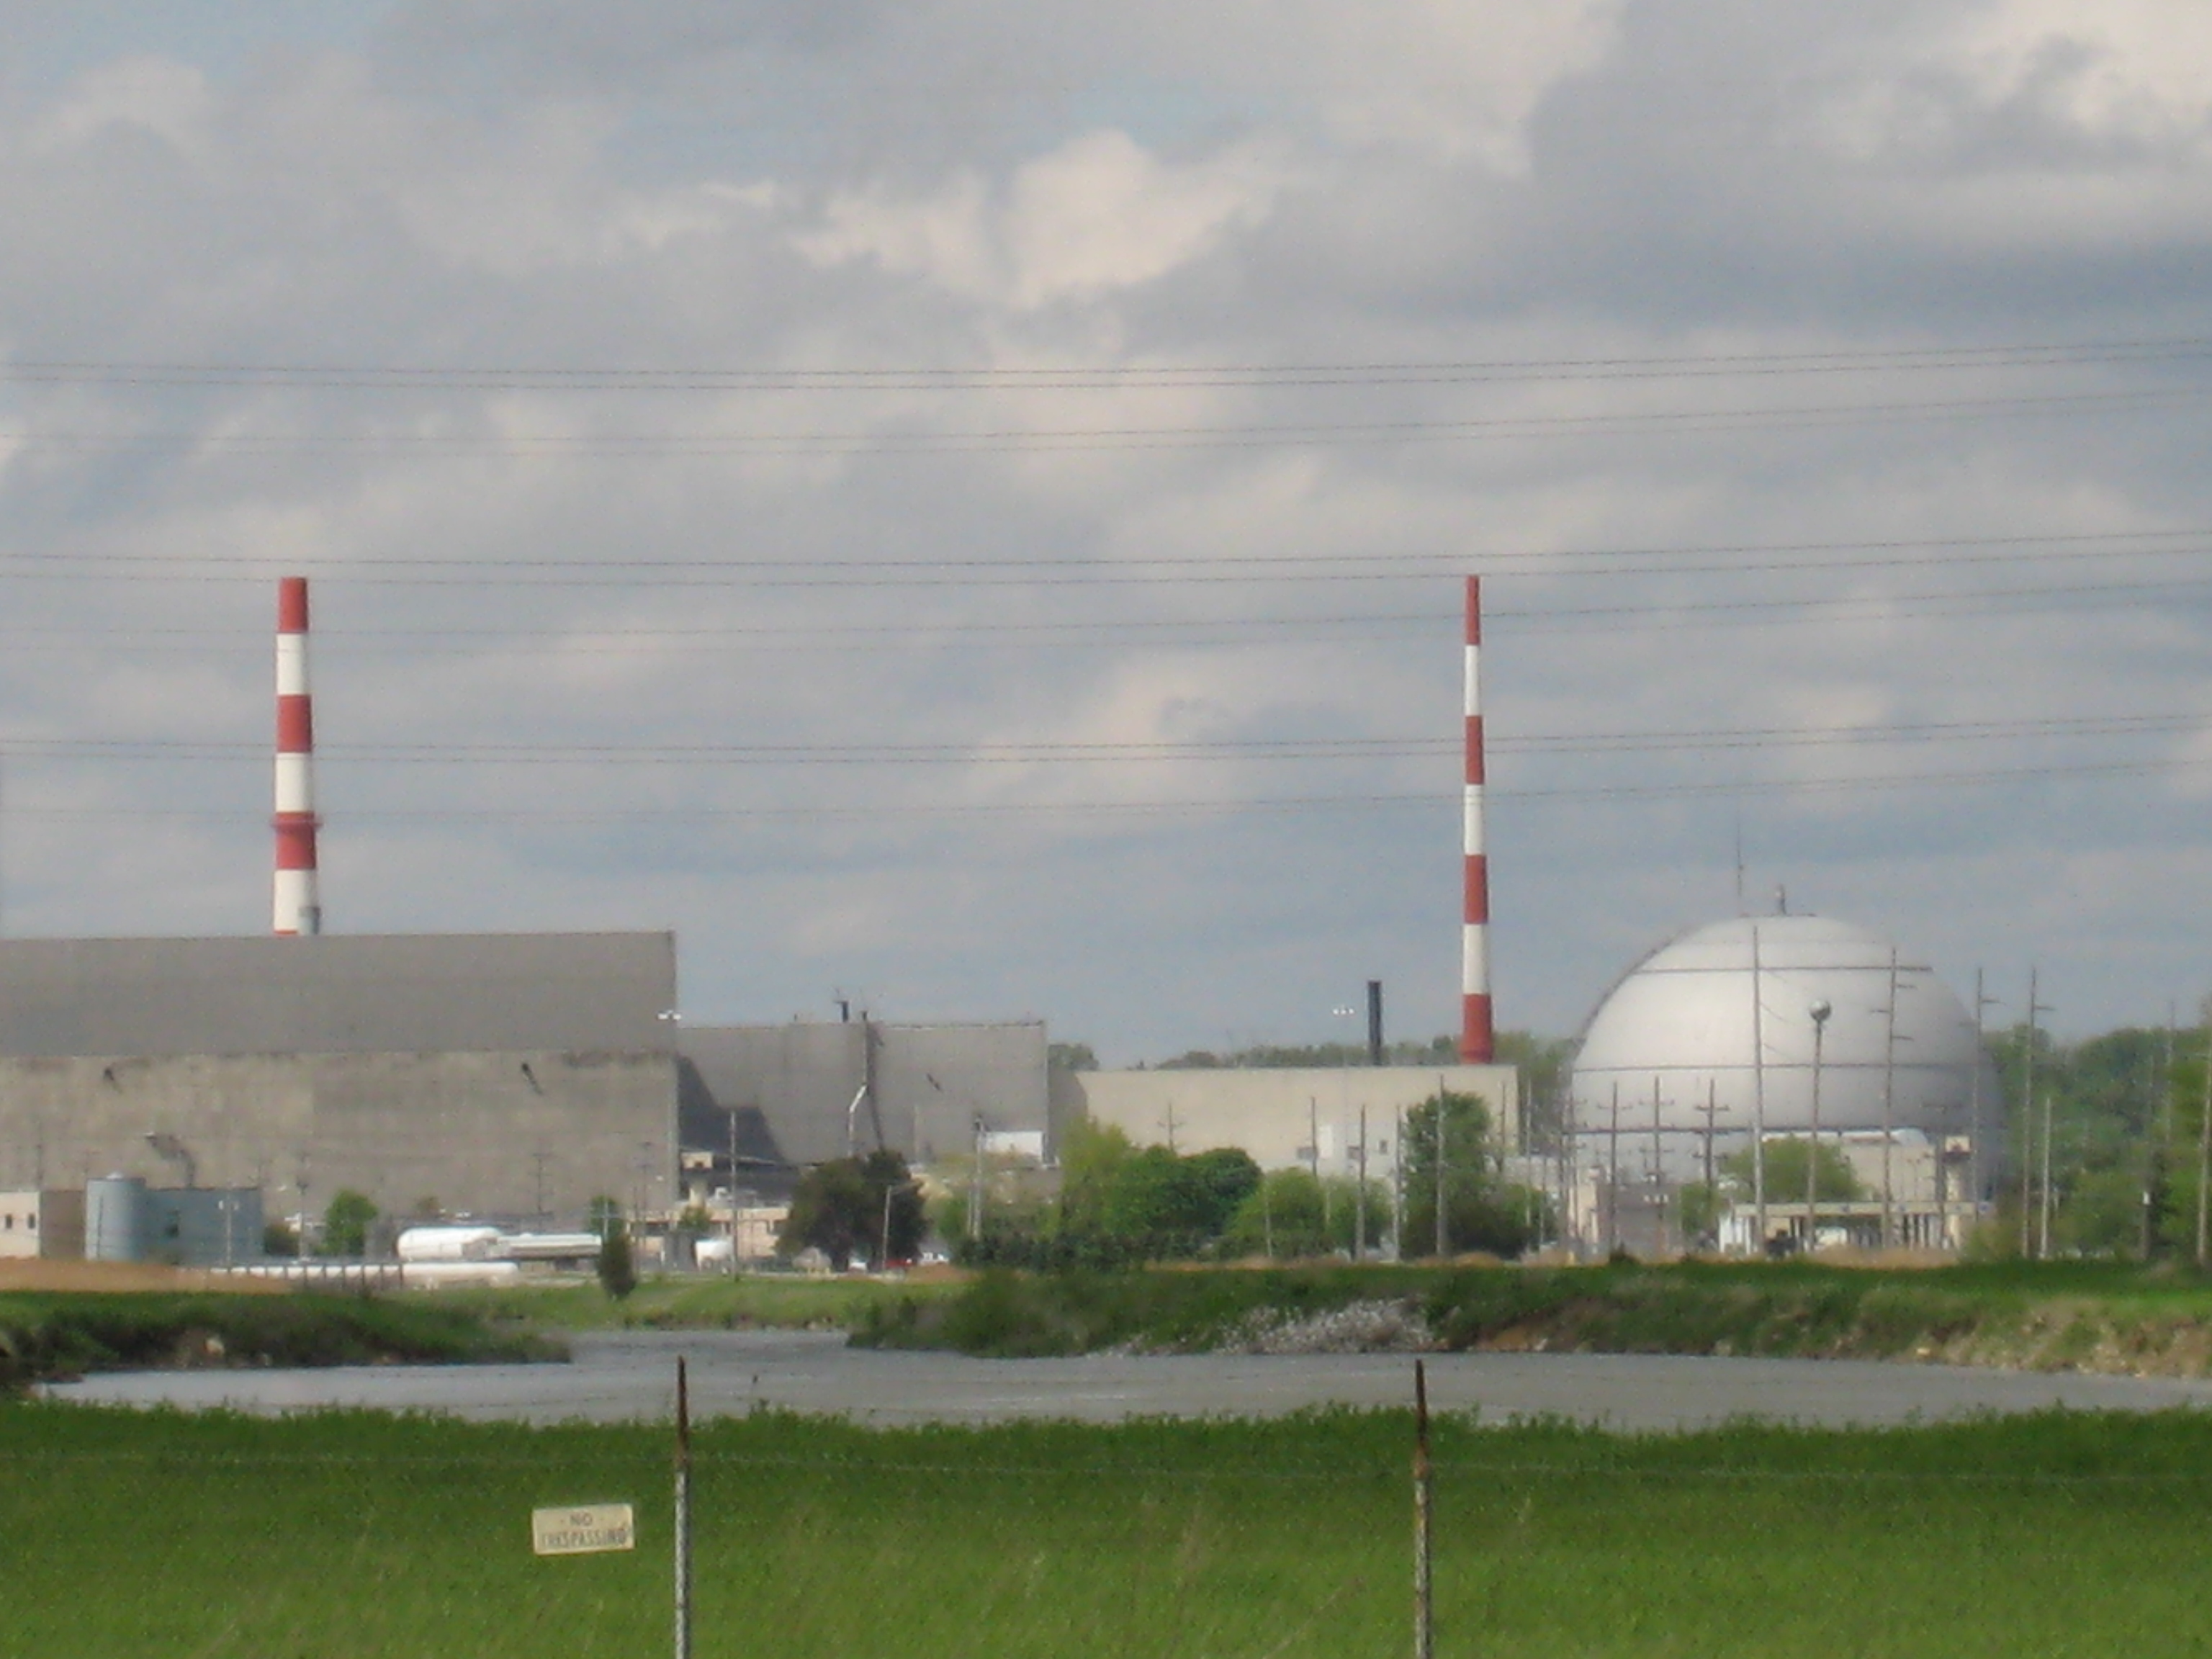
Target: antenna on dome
{"x": 1781, "y": 900}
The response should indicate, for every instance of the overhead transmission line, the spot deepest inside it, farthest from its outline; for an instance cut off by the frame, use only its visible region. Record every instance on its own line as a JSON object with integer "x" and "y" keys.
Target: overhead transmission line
{"x": 1112, "y": 377}
{"x": 914, "y": 440}
{"x": 878, "y": 812}
{"x": 1044, "y": 753}
{"x": 1133, "y": 570}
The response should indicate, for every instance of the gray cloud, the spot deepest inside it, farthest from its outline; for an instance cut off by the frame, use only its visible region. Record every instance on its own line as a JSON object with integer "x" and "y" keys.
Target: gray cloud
{"x": 625, "y": 587}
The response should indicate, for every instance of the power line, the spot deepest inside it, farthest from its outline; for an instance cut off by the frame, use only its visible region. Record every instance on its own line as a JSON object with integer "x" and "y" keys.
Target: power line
{"x": 1023, "y": 440}
{"x": 1031, "y": 754}
{"x": 1111, "y": 377}
{"x": 878, "y": 811}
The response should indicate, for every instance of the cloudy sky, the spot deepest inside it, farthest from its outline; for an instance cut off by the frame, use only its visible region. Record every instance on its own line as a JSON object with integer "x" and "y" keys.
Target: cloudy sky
{"x": 963, "y": 503}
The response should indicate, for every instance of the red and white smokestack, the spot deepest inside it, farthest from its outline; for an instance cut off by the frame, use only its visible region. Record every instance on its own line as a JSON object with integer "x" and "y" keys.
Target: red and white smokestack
{"x": 298, "y": 903}
{"x": 1477, "y": 1039}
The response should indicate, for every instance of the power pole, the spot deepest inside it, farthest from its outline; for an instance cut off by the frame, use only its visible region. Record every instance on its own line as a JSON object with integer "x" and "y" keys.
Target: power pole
{"x": 2204, "y": 1145}
{"x": 976, "y": 1184}
{"x": 2042, "y": 1231}
{"x": 1444, "y": 1231}
{"x": 1613, "y": 1177}
{"x": 1658, "y": 1177}
{"x": 1710, "y": 1112}
{"x": 1889, "y": 1108}
{"x": 1359, "y": 1215}
{"x": 1757, "y": 1097}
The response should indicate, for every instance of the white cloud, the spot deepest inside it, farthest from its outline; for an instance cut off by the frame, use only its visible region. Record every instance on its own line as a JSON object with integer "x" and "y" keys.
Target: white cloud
{"x": 1099, "y": 215}
{"x": 168, "y": 100}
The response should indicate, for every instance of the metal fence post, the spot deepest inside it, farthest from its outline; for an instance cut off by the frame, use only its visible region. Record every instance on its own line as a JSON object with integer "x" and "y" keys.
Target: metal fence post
{"x": 683, "y": 1512}
{"x": 1423, "y": 1485}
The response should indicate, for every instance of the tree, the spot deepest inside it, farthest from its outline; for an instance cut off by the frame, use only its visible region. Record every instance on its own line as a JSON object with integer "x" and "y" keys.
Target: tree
{"x": 617, "y": 1270}
{"x": 1071, "y": 1057}
{"x": 1479, "y": 1212}
{"x": 1090, "y": 1157}
{"x": 1290, "y": 1215}
{"x": 868, "y": 1207}
{"x": 1836, "y": 1183}
{"x": 1698, "y": 1211}
{"x": 346, "y": 1223}
{"x": 1165, "y": 1205}
{"x": 604, "y": 1215}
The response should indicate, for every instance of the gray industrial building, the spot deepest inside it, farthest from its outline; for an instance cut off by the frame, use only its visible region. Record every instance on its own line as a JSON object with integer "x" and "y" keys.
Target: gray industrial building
{"x": 806, "y": 1091}
{"x": 520, "y": 1075}
{"x": 510, "y": 1075}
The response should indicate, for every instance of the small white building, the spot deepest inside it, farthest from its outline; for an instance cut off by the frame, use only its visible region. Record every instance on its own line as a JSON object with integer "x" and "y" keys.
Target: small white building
{"x": 47, "y": 1224}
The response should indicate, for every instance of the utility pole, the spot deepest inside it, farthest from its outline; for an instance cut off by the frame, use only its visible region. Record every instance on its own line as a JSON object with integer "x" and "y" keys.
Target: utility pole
{"x": 1710, "y": 1112}
{"x": 2205, "y": 1146}
{"x": 2043, "y": 1210}
{"x": 1978, "y": 1162}
{"x": 1360, "y": 1215}
{"x": 1398, "y": 1188}
{"x": 2028, "y": 1124}
{"x": 1613, "y": 1177}
{"x": 1889, "y": 1108}
{"x": 1658, "y": 1177}
{"x": 1443, "y": 1228}
{"x": 1757, "y": 1099}
{"x": 974, "y": 1184}
{"x": 1168, "y": 1122}
{"x": 1820, "y": 1011}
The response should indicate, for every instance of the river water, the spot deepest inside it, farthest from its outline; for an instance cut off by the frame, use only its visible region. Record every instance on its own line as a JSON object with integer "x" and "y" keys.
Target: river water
{"x": 631, "y": 1376}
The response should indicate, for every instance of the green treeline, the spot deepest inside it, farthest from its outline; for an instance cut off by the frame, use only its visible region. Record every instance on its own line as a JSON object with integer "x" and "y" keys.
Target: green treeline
{"x": 1118, "y": 1204}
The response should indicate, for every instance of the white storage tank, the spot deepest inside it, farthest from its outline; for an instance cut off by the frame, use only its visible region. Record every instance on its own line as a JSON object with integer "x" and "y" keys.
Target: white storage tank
{"x": 115, "y": 1219}
{"x": 449, "y": 1243}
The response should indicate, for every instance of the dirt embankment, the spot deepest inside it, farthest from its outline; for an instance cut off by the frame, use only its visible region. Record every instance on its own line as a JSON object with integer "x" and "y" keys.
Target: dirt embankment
{"x": 80, "y": 1278}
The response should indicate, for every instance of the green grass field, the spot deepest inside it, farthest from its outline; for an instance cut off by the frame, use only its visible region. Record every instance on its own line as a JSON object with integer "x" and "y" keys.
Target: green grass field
{"x": 346, "y": 1536}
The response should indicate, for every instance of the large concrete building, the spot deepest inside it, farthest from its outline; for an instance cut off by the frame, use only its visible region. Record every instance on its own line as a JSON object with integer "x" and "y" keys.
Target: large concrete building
{"x": 519, "y": 1074}
{"x": 807, "y": 1092}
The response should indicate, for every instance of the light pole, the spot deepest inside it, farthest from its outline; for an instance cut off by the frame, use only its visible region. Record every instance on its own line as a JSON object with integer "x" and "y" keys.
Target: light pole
{"x": 1344, "y": 1010}
{"x": 1820, "y": 1012}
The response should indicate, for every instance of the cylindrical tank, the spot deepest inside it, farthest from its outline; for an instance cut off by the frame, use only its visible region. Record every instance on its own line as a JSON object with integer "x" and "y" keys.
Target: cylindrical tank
{"x": 115, "y": 1219}
{"x": 448, "y": 1243}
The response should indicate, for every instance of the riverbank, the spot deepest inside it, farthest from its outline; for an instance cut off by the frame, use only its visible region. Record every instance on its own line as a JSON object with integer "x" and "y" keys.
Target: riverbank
{"x": 2107, "y": 1318}
{"x": 46, "y": 1336}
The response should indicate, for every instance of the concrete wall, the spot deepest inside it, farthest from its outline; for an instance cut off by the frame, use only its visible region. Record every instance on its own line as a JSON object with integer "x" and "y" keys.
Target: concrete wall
{"x": 793, "y": 1086}
{"x": 1275, "y": 1115}
{"x": 421, "y": 994}
{"x": 476, "y": 1131}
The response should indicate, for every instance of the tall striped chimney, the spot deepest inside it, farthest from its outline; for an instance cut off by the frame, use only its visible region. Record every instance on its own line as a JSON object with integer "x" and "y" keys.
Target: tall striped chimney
{"x": 1477, "y": 1041}
{"x": 298, "y": 905}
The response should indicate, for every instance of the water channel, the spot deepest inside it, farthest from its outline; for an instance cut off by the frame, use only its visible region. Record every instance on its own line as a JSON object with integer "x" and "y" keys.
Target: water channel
{"x": 628, "y": 1376}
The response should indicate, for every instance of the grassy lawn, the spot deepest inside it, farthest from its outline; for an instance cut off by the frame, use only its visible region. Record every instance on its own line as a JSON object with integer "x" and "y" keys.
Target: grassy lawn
{"x": 356, "y": 1537}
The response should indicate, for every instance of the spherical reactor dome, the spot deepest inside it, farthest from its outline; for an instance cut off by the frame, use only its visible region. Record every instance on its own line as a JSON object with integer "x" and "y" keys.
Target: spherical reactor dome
{"x": 1722, "y": 1016}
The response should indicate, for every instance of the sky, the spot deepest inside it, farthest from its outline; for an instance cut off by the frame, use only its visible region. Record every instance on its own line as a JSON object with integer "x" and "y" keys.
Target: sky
{"x": 963, "y": 506}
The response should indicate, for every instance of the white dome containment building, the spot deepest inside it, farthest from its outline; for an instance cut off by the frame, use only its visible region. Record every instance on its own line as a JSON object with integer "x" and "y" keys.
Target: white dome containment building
{"x": 1710, "y": 1039}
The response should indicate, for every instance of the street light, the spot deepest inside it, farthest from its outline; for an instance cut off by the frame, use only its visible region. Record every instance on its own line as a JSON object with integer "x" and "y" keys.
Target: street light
{"x": 1820, "y": 1012}
{"x": 1344, "y": 1010}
